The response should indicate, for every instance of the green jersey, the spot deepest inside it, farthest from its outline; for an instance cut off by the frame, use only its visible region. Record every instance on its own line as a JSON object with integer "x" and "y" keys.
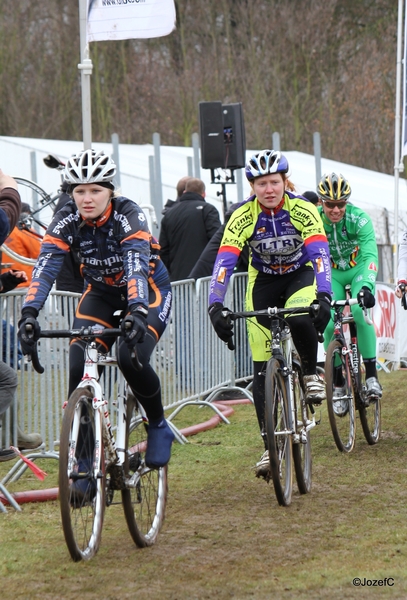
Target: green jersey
{"x": 352, "y": 242}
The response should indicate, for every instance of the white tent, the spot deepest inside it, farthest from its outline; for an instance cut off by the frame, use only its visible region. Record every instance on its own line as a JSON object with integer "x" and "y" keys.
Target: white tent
{"x": 372, "y": 191}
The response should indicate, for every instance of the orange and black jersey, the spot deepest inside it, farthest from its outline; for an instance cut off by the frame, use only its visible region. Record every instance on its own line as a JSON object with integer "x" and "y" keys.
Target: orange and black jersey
{"x": 115, "y": 251}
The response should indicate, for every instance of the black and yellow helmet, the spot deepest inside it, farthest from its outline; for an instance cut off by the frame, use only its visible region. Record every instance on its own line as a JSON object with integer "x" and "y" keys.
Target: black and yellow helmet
{"x": 334, "y": 187}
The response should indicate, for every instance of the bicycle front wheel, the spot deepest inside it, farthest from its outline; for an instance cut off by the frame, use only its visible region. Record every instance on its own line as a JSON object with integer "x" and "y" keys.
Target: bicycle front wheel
{"x": 279, "y": 434}
{"x": 341, "y": 413}
{"x": 302, "y": 446}
{"x": 370, "y": 416}
{"x": 145, "y": 496}
{"x": 82, "y": 511}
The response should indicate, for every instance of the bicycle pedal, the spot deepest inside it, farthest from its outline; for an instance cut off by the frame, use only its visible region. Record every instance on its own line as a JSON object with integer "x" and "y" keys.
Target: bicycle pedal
{"x": 134, "y": 462}
{"x": 117, "y": 479}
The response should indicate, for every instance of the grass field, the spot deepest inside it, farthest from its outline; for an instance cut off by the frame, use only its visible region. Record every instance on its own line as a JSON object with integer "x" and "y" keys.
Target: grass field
{"x": 225, "y": 535}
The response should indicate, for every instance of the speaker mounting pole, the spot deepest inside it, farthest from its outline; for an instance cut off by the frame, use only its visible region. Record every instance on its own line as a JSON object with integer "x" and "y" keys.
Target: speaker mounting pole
{"x": 224, "y": 179}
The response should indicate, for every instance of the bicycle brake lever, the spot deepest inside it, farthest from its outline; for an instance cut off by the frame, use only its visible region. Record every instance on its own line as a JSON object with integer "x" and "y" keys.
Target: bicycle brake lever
{"x": 33, "y": 357}
{"x": 135, "y": 360}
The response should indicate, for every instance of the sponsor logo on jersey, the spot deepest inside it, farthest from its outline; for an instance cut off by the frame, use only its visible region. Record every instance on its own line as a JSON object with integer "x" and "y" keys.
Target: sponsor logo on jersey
{"x": 221, "y": 277}
{"x": 372, "y": 266}
{"x": 319, "y": 264}
{"x": 303, "y": 216}
{"x": 164, "y": 314}
{"x": 283, "y": 245}
{"x": 123, "y": 221}
{"x": 238, "y": 224}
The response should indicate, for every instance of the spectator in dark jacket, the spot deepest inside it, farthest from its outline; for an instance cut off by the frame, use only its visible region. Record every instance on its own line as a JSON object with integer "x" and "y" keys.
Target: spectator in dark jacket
{"x": 204, "y": 265}
{"x": 180, "y": 190}
{"x": 186, "y": 229}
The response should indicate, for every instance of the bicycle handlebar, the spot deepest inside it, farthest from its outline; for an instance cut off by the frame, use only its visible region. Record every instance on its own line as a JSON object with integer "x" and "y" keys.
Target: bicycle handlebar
{"x": 352, "y": 302}
{"x": 270, "y": 311}
{"x": 274, "y": 311}
{"x": 84, "y": 333}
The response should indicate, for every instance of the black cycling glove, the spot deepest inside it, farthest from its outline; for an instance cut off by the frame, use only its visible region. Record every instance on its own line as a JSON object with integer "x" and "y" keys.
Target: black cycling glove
{"x": 28, "y": 336}
{"x": 134, "y": 326}
{"x": 221, "y": 324}
{"x": 366, "y": 298}
{"x": 322, "y": 315}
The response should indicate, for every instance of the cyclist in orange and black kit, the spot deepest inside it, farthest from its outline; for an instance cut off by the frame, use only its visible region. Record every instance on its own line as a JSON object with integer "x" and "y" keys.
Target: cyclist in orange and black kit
{"x": 122, "y": 270}
{"x": 289, "y": 266}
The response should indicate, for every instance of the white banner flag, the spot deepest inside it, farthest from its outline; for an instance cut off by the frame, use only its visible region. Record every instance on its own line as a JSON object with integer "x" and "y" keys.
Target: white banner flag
{"x": 129, "y": 19}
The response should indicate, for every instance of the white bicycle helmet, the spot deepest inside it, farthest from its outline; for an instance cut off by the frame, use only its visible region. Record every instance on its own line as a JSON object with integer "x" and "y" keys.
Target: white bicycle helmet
{"x": 264, "y": 163}
{"x": 89, "y": 166}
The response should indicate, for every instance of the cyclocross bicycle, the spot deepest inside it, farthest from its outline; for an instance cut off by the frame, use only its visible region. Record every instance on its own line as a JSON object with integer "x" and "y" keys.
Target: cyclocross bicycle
{"x": 115, "y": 460}
{"x": 343, "y": 369}
{"x": 288, "y": 417}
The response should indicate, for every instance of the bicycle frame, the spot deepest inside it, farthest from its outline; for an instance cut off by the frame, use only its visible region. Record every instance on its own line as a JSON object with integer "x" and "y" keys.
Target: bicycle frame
{"x": 282, "y": 348}
{"x": 114, "y": 446}
{"x": 349, "y": 350}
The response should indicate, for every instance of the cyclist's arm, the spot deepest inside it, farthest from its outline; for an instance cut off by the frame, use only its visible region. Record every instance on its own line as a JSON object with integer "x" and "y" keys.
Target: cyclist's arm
{"x": 135, "y": 242}
{"x": 366, "y": 239}
{"x": 45, "y": 271}
{"x": 136, "y": 253}
{"x": 233, "y": 241}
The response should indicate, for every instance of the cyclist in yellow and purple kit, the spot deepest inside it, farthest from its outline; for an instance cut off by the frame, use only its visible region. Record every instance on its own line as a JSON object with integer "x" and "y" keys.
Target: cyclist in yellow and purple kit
{"x": 289, "y": 266}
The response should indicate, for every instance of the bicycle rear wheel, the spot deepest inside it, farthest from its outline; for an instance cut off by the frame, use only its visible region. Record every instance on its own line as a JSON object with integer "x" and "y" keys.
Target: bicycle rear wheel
{"x": 145, "y": 498}
{"x": 302, "y": 448}
{"x": 343, "y": 425}
{"x": 279, "y": 435}
{"x": 81, "y": 433}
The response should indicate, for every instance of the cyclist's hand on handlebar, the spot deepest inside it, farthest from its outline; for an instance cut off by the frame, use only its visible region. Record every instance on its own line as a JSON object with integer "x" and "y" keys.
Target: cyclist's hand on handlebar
{"x": 29, "y": 330}
{"x": 221, "y": 324}
{"x": 366, "y": 298}
{"x": 134, "y": 327}
{"x": 400, "y": 288}
{"x": 322, "y": 315}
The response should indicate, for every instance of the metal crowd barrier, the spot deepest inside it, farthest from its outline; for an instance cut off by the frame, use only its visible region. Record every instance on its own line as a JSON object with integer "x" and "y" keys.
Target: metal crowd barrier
{"x": 194, "y": 366}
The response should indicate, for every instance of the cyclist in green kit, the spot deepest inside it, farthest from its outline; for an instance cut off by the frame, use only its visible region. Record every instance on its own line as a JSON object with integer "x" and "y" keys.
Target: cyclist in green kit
{"x": 354, "y": 261}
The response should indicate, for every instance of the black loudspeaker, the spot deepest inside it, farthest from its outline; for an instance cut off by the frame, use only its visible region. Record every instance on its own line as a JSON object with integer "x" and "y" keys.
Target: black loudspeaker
{"x": 234, "y": 136}
{"x": 211, "y": 134}
{"x": 222, "y": 135}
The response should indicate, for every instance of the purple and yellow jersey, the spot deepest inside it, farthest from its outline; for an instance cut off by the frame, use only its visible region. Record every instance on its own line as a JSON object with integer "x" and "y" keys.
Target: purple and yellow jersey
{"x": 280, "y": 241}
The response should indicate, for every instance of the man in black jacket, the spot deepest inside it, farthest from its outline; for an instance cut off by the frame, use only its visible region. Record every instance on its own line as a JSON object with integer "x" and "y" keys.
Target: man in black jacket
{"x": 186, "y": 229}
{"x": 180, "y": 190}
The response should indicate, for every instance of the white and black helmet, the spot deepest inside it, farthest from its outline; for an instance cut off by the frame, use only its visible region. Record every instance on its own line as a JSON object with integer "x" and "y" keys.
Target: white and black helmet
{"x": 89, "y": 166}
{"x": 264, "y": 163}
